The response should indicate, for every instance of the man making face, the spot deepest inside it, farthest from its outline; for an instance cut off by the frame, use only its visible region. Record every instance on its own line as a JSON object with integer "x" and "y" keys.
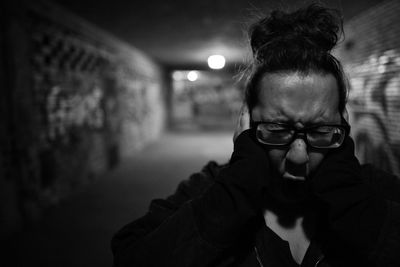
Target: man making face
{"x": 296, "y": 121}
{"x": 289, "y": 103}
{"x": 293, "y": 192}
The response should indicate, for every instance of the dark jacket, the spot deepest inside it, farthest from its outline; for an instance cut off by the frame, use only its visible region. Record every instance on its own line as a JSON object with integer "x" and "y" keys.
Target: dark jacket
{"x": 211, "y": 221}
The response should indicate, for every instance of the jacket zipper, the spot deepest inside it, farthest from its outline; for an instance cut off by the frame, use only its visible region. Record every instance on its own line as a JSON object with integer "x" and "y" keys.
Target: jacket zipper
{"x": 320, "y": 259}
{"x": 258, "y": 257}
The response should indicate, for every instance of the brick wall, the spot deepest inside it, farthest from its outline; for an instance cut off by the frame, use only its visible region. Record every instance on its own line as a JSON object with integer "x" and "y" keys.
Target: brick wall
{"x": 76, "y": 100}
{"x": 371, "y": 57}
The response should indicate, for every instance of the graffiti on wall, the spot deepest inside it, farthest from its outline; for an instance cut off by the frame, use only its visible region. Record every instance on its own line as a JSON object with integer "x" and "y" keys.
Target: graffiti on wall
{"x": 374, "y": 107}
{"x": 66, "y": 110}
{"x": 70, "y": 113}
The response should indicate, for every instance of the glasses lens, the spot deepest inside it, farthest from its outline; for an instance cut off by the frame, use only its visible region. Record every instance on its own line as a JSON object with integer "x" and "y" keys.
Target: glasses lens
{"x": 326, "y": 136}
{"x": 273, "y": 134}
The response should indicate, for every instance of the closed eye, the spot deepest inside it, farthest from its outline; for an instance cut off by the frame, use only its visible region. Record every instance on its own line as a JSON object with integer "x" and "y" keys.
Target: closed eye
{"x": 279, "y": 130}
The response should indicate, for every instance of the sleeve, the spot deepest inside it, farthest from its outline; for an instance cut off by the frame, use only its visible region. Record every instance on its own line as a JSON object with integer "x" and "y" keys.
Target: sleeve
{"x": 360, "y": 212}
{"x": 355, "y": 210}
{"x": 203, "y": 220}
{"x": 388, "y": 244}
{"x": 167, "y": 229}
{"x": 387, "y": 248}
{"x": 387, "y": 184}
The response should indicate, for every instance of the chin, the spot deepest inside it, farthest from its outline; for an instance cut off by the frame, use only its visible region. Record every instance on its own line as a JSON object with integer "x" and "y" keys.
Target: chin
{"x": 291, "y": 191}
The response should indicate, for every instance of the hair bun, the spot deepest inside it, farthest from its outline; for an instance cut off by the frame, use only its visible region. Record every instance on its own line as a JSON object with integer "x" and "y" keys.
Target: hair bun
{"x": 313, "y": 28}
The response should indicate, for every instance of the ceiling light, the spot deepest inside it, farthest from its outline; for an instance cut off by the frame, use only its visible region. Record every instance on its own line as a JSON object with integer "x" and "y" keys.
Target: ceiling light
{"x": 192, "y": 76}
{"x": 178, "y": 75}
{"x": 216, "y": 62}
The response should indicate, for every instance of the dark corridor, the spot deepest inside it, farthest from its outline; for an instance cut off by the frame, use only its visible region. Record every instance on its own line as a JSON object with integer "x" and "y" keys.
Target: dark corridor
{"x": 78, "y": 231}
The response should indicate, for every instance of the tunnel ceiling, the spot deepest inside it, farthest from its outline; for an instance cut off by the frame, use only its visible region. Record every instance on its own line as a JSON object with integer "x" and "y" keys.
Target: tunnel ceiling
{"x": 183, "y": 33}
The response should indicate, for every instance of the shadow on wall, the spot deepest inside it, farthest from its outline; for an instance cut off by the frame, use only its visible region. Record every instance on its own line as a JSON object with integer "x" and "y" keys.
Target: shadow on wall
{"x": 374, "y": 107}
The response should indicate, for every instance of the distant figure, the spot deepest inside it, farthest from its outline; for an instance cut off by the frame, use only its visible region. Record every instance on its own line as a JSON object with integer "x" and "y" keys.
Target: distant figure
{"x": 293, "y": 192}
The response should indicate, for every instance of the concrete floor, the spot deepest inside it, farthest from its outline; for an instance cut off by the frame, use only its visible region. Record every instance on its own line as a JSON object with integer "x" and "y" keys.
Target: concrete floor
{"x": 78, "y": 231}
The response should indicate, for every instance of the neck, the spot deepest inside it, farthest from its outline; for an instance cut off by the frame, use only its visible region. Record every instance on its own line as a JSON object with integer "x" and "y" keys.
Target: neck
{"x": 292, "y": 223}
{"x": 288, "y": 212}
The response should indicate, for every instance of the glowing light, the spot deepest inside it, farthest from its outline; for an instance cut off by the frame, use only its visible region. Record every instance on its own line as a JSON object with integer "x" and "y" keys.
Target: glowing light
{"x": 216, "y": 62}
{"x": 178, "y": 75}
{"x": 192, "y": 76}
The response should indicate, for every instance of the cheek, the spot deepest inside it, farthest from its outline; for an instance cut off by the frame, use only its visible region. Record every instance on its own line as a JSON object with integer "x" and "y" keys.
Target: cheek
{"x": 315, "y": 158}
{"x": 277, "y": 159}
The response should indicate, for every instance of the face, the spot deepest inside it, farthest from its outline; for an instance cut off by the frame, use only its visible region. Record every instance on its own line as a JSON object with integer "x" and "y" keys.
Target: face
{"x": 299, "y": 100}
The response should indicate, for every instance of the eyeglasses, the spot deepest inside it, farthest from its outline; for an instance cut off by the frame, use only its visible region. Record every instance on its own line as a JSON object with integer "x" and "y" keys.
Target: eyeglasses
{"x": 317, "y": 136}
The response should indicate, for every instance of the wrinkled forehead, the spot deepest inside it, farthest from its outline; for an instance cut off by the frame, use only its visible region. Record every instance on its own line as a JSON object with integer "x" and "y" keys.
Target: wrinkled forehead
{"x": 298, "y": 96}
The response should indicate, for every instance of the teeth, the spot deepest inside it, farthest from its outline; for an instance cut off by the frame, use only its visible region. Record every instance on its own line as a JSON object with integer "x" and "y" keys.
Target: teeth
{"x": 294, "y": 177}
{"x": 296, "y": 170}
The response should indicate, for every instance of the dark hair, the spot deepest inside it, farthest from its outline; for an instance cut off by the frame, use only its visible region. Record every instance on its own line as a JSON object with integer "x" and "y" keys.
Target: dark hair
{"x": 300, "y": 41}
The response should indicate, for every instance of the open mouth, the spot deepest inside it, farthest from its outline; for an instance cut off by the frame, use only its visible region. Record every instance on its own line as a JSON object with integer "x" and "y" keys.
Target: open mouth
{"x": 290, "y": 176}
{"x": 295, "y": 172}
{"x": 294, "y": 187}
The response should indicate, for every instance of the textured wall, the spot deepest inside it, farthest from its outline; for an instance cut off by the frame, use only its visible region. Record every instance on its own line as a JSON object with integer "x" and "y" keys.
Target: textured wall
{"x": 76, "y": 100}
{"x": 371, "y": 56}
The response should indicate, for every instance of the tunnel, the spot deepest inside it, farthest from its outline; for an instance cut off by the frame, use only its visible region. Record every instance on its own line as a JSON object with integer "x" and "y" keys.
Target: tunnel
{"x": 106, "y": 106}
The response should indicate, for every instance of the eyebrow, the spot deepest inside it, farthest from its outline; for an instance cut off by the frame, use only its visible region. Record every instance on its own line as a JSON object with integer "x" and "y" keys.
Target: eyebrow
{"x": 308, "y": 124}
{"x": 280, "y": 117}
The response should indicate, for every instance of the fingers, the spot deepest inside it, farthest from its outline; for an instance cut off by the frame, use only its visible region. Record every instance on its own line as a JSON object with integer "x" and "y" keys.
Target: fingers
{"x": 345, "y": 115}
{"x": 244, "y": 118}
{"x": 243, "y": 122}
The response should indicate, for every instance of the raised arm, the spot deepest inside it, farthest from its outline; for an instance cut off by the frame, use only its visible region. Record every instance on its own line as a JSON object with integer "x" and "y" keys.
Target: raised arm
{"x": 360, "y": 207}
{"x": 208, "y": 215}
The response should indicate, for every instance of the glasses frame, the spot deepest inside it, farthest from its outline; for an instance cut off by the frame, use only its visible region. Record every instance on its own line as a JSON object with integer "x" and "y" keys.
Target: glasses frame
{"x": 299, "y": 132}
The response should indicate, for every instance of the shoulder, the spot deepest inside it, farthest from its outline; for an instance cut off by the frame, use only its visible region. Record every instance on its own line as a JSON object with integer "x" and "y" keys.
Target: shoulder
{"x": 384, "y": 182}
{"x": 161, "y": 209}
{"x": 198, "y": 182}
{"x": 188, "y": 189}
{"x": 369, "y": 171}
{"x": 194, "y": 186}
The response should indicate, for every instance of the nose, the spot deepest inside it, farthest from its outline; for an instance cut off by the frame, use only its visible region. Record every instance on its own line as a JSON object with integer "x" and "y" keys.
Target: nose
{"x": 297, "y": 153}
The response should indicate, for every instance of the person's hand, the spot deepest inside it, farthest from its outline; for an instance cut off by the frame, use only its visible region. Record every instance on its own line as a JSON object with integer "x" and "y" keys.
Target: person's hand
{"x": 355, "y": 211}
{"x": 245, "y": 145}
{"x": 337, "y": 181}
{"x": 233, "y": 204}
{"x": 339, "y": 168}
{"x": 243, "y": 121}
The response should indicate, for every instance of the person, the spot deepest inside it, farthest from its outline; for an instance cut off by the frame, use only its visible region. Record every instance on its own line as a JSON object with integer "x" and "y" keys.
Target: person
{"x": 293, "y": 192}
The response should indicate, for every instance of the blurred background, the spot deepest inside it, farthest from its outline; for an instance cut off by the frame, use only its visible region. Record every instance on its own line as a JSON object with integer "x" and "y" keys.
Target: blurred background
{"x": 106, "y": 105}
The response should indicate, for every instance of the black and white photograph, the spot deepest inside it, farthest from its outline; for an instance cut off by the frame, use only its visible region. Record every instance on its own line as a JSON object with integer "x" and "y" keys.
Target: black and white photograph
{"x": 209, "y": 133}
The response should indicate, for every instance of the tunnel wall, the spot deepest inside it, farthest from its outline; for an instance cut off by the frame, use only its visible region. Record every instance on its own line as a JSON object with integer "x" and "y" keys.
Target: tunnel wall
{"x": 371, "y": 57}
{"x": 74, "y": 100}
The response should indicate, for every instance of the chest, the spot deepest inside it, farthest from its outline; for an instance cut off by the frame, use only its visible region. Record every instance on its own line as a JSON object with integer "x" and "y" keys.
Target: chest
{"x": 296, "y": 232}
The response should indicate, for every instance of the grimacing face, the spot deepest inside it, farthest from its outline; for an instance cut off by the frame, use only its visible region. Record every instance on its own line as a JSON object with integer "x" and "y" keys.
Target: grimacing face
{"x": 299, "y": 100}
